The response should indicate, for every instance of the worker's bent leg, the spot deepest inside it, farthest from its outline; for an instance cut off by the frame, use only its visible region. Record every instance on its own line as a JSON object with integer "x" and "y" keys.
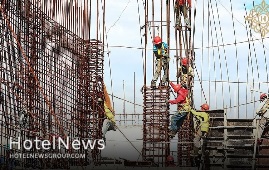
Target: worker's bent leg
{"x": 158, "y": 70}
{"x": 176, "y": 121}
{"x": 177, "y": 11}
{"x": 184, "y": 10}
{"x": 197, "y": 139}
{"x": 186, "y": 19}
{"x": 165, "y": 69}
{"x": 105, "y": 127}
{"x": 261, "y": 127}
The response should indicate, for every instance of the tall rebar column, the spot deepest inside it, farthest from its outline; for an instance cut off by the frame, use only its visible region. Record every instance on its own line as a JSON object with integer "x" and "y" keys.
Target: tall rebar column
{"x": 156, "y": 145}
{"x": 48, "y": 86}
{"x": 186, "y": 132}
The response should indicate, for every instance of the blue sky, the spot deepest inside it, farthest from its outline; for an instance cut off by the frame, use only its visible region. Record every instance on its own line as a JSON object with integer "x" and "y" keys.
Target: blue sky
{"x": 212, "y": 63}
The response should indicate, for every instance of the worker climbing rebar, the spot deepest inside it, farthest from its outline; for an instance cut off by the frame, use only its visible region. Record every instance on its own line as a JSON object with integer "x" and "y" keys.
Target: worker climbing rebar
{"x": 109, "y": 122}
{"x": 181, "y": 8}
{"x": 178, "y": 119}
{"x": 185, "y": 71}
{"x": 262, "y": 111}
{"x": 203, "y": 128}
{"x": 160, "y": 50}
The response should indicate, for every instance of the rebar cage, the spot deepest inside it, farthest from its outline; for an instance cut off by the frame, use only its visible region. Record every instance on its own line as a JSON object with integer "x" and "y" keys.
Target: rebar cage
{"x": 49, "y": 86}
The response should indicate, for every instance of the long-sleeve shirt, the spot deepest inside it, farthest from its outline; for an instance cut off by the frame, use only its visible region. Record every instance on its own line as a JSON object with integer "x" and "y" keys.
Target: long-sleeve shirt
{"x": 263, "y": 112}
{"x": 181, "y": 97}
{"x": 203, "y": 118}
{"x": 160, "y": 51}
{"x": 263, "y": 109}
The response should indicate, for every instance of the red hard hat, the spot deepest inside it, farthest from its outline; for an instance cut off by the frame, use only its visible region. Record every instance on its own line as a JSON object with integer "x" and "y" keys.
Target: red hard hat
{"x": 263, "y": 96}
{"x": 184, "y": 61}
{"x": 177, "y": 87}
{"x": 157, "y": 40}
{"x": 205, "y": 106}
{"x": 170, "y": 158}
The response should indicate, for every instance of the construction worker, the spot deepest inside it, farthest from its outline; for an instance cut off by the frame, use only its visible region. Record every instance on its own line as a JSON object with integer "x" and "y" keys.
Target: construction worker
{"x": 262, "y": 111}
{"x": 170, "y": 161}
{"x": 182, "y": 8}
{"x": 185, "y": 72}
{"x": 109, "y": 122}
{"x": 178, "y": 119}
{"x": 203, "y": 118}
{"x": 162, "y": 60}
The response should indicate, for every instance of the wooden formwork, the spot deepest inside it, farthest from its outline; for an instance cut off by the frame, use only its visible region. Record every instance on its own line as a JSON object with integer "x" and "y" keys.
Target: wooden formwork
{"x": 231, "y": 144}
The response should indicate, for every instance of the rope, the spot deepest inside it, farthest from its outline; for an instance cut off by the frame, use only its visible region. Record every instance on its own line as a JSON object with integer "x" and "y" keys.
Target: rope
{"x": 118, "y": 17}
{"x": 110, "y": 70}
{"x": 129, "y": 141}
{"x": 126, "y": 100}
{"x": 238, "y": 20}
{"x": 224, "y": 51}
{"x": 195, "y": 48}
{"x": 236, "y": 54}
{"x": 200, "y": 81}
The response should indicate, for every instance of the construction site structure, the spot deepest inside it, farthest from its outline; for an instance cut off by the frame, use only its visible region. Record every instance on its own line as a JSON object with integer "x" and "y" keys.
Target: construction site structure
{"x": 184, "y": 49}
{"x": 51, "y": 64}
{"x": 156, "y": 145}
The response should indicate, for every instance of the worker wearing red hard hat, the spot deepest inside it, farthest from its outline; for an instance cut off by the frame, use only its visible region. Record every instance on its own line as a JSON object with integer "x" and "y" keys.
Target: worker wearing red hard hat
{"x": 262, "y": 111}
{"x": 160, "y": 50}
{"x": 203, "y": 118}
{"x": 185, "y": 71}
{"x": 181, "y": 7}
{"x": 178, "y": 119}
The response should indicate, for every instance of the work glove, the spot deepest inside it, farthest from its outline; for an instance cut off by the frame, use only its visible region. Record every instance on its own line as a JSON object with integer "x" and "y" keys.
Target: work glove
{"x": 260, "y": 113}
{"x": 165, "y": 55}
{"x": 99, "y": 100}
{"x": 167, "y": 101}
{"x": 187, "y": 107}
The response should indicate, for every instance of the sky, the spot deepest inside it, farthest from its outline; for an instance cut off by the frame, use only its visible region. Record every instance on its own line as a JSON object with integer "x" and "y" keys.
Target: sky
{"x": 230, "y": 62}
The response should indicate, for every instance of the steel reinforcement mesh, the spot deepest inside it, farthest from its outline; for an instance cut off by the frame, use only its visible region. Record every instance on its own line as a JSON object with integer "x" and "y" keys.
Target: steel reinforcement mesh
{"x": 48, "y": 87}
{"x": 156, "y": 146}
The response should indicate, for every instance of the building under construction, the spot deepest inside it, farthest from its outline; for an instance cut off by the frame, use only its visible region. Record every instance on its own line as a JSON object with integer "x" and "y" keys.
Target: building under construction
{"x": 53, "y": 56}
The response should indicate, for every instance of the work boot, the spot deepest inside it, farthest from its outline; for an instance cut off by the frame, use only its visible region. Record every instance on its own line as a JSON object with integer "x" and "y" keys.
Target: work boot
{"x": 178, "y": 25}
{"x": 112, "y": 126}
{"x": 172, "y": 134}
{"x": 153, "y": 84}
{"x": 187, "y": 22}
{"x": 162, "y": 84}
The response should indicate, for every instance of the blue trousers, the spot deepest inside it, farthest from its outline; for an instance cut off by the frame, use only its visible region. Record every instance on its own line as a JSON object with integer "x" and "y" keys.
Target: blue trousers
{"x": 177, "y": 120}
